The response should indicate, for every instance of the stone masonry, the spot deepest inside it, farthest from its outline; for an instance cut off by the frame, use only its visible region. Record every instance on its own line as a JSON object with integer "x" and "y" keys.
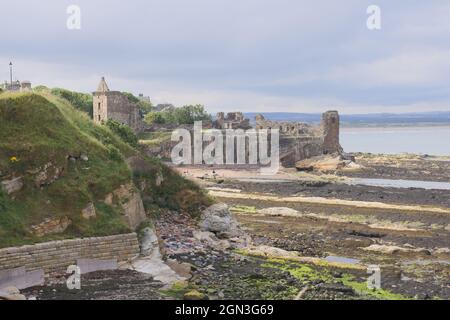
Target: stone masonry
{"x": 233, "y": 120}
{"x": 299, "y": 141}
{"x": 56, "y": 256}
{"x": 116, "y": 106}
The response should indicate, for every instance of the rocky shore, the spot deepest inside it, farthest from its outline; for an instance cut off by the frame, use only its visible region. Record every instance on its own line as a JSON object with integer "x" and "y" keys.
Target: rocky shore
{"x": 288, "y": 237}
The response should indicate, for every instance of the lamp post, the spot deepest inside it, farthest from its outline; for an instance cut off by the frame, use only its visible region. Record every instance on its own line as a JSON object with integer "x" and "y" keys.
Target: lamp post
{"x": 10, "y": 72}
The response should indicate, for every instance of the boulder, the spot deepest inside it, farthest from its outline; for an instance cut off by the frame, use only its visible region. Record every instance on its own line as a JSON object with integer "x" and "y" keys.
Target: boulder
{"x": 148, "y": 242}
{"x": 218, "y": 219}
{"x": 11, "y": 293}
{"x": 13, "y": 185}
{"x": 183, "y": 269}
{"x": 134, "y": 211}
{"x": 89, "y": 212}
{"x": 109, "y": 199}
{"x": 327, "y": 163}
{"x": 130, "y": 201}
{"x": 51, "y": 226}
{"x": 321, "y": 163}
{"x": 47, "y": 174}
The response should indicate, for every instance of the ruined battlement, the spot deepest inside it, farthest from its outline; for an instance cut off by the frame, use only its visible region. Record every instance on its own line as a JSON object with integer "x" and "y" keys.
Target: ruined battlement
{"x": 233, "y": 120}
{"x": 299, "y": 141}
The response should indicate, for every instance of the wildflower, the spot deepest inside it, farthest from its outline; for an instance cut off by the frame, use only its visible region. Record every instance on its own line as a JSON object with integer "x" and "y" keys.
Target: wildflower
{"x": 13, "y": 159}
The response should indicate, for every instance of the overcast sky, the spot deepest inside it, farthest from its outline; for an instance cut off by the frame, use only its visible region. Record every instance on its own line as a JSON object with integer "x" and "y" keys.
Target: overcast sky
{"x": 239, "y": 55}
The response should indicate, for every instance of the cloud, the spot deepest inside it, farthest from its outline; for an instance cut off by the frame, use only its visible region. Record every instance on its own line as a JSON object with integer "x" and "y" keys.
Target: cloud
{"x": 273, "y": 55}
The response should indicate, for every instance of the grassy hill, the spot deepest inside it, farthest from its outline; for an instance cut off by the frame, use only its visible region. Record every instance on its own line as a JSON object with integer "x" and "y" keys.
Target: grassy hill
{"x": 65, "y": 162}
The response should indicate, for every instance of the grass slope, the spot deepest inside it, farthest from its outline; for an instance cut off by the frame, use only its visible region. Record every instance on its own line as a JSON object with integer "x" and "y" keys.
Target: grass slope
{"x": 41, "y": 129}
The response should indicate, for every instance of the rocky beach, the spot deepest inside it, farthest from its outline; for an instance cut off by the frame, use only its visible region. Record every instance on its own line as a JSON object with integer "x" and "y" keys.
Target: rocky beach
{"x": 295, "y": 235}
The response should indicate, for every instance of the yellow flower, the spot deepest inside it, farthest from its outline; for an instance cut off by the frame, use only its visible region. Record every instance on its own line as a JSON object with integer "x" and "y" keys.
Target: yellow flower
{"x": 13, "y": 159}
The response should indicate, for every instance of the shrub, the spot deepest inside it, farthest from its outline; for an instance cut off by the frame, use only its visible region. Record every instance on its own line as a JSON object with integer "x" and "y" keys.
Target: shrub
{"x": 114, "y": 153}
{"x": 81, "y": 101}
{"x": 185, "y": 115}
{"x": 123, "y": 131}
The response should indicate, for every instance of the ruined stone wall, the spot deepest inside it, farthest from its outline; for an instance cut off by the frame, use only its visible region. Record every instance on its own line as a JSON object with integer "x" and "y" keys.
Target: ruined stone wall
{"x": 330, "y": 127}
{"x": 299, "y": 141}
{"x": 114, "y": 105}
{"x": 56, "y": 256}
{"x": 233, "y": 120}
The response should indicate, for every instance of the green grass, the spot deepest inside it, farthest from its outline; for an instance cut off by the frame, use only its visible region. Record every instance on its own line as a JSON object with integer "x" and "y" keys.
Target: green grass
{"x": 41, "y": 129}
{"x": 154, "y": 139}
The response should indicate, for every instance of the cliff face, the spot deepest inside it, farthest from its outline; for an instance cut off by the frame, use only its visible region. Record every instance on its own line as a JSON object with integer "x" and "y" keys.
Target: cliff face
{"x": 63, "y": 176}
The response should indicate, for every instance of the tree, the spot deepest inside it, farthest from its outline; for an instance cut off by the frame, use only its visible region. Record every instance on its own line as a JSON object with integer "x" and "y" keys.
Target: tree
{"x": 154, "y": 117}
{"x": 185, "y": 115}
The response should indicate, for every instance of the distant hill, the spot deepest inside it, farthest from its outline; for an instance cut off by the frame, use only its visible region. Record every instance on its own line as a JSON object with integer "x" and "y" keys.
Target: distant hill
{"x": 55, "y": 164}
{"x": 420, "y": 118}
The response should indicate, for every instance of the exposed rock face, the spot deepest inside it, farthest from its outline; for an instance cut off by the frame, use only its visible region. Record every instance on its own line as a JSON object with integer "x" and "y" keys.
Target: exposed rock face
{"x": 13, "y": 185}
{"x": 48, "y": 174}
{"x": 89, "y": 212}
{"x": 321, "y": 163}
{"x": 11, "y": 293}
{"x": 151, "y": 261}
{"x": 134, "y": 210}
{"x": 109, "y": 199}
{"x": 130, "y": 201}
{"x": 326, "y": 163}
{"x": 218, "y": 219}
{"x": 149, "y": 242}
{"x": 51, "y": 226}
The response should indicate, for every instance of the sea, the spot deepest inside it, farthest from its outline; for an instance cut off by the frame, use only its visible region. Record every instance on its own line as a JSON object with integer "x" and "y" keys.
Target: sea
{"x": 433, "y": 140}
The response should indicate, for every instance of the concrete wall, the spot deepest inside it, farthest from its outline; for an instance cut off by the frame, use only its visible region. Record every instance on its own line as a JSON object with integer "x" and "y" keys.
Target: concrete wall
{"x": 56, "y": 256}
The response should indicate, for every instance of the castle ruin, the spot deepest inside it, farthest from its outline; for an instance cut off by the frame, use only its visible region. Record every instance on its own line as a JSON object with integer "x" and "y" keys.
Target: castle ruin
{"x": 116, "y": 106}
{"x": 299, "y": 141}
{"x": 233, "y": 120}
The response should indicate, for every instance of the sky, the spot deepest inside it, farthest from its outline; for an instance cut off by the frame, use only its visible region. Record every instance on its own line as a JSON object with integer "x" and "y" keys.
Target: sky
{"x": 246, "y": 55}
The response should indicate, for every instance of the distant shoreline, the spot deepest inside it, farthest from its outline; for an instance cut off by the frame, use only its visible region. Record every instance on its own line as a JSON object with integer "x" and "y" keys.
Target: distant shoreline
{"x": 394, "y": 125}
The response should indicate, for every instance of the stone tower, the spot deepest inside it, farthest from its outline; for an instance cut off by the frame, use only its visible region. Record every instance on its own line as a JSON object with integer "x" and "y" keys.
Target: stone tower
{"x": 330, "y": 127}
{"x": 114, "y": 105}
{"x": 100, "y": 100}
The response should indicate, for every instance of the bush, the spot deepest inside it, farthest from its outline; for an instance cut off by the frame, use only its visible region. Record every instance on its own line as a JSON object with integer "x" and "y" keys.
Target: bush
{"x": 114, "y": 153}
{"x": 154, "y": 117}
{"x": 124, "y": 132}
{"x": 185, "y": 115}
{"x": 81, "y": 101}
